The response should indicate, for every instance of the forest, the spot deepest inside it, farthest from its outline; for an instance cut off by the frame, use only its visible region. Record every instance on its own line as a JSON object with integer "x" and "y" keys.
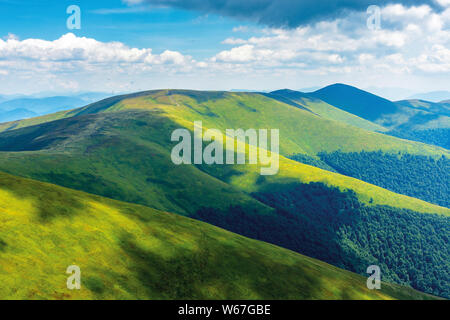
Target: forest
{"x": 411, "y": 248}
{"x": 438, "y": 136}
{"x": 417, "y": 176}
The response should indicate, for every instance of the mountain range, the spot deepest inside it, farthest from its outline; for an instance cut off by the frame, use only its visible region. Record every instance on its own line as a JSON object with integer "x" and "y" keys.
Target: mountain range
{"x": 434, "y": 96}
{"x": 15, "y": 108}
{"x": 352, "y": 191}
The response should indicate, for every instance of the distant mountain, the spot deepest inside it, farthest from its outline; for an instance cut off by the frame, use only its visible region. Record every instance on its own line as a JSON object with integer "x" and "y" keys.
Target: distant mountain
{"x": 15, "y": 114}
{"x": 43, "y": 105}
{"x": 434, "y": 96}
{"x": 415, "y": 119}
{"x": 25, "y": 107}
{"x": 423, "y": 121}
{"x": 319, "y": 107}
{"x": 309, "y": 89}
{"x": 90, "y": 97}
{"x": 356, "y": 101}
{"x": 439, "y": 108}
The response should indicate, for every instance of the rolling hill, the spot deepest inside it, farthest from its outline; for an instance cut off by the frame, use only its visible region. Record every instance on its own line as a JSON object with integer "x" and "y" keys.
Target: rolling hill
{"x": 414, "y": 119}
{"x": 94, "y": 145}
{"x": 120, "y": 148}
{"x": 358, "y": 102}
{"x": 127, "y": 251}
{"x": 325, "y": 110}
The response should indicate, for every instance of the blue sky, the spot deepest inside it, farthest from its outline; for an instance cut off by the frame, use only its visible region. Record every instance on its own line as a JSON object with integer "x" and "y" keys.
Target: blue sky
{"x": 112, "y": 20}
{"x": 129, "y": 45}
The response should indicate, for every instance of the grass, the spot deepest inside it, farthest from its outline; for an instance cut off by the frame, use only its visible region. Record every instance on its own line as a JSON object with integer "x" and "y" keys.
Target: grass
{"x": 120, "y": 149}
{"x": 301, "y": 131}
{"x": 327, "y": 111}
{"x": 123, "y": 152}
{"x": 127, "y": 251}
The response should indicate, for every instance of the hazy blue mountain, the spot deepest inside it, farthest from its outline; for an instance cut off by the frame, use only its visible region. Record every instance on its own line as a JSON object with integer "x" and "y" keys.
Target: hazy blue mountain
{"x": 356, "y": 101}
{"x": 29, "y": 106}
{"x": 415, "y": 119}
{"x": 434, "y": 96}
{"x": 441, "y": 108}
{"x": 15, "y": 114}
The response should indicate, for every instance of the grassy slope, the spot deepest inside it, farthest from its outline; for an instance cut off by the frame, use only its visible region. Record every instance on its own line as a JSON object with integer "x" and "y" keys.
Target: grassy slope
{"x": 425, "y": 115}
{"x": 356, "y": 101}
{"x": 125, "y": 156}
{"x": 316, "y": 134}
{"x": 300, "y": 130}
{"x": 128, "y": 251}
{"x": 326, "y": 110}
{"x": 406, "y": 115}
{"x": 122, "y": 153}
{"x": 32, "y": 121}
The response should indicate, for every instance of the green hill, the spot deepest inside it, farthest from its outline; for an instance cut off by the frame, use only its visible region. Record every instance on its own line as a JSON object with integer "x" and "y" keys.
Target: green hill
{"x": 356, "y": 101}
{"x": 325, "y": 110}
{"x": 424, "y": 121}
{"x": 127, "y": 251}
{"x": 120, "y": 148}
{"x": 416, "y": 120}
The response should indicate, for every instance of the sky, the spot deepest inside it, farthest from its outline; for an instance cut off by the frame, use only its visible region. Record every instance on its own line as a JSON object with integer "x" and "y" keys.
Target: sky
{"x": 133, "y": 45}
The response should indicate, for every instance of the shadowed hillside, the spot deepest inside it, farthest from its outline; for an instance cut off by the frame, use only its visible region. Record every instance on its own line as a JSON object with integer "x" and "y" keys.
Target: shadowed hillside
{"x": 127, "y": 251}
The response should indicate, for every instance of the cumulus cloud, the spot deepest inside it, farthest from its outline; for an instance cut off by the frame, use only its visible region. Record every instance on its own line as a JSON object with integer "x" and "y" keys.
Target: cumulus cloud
{"x": 68, "y": 60}
{"x": 69, "y": 47}
{"x": 284, "y": 13}
{"x": 418, "y": 45}
{"x": 413, "y": 42}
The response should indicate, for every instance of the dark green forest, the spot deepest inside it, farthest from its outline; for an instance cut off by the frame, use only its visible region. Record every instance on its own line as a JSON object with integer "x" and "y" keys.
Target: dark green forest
{"x": 439, "y": 137}
{"x": 322, "y": 222}
{"x": 412, "y": 175}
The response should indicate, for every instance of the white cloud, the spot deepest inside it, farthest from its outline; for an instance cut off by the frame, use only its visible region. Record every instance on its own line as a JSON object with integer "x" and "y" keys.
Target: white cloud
{"x": 444, "y": 3}
{"x": 417, "y": 43}
{"x": 413, "y": 42}
{"x": 243, "y": 53}
{"x": 72, "y": 48}
{"x": 70, "y": 62}
{"x": 398, "y": 11}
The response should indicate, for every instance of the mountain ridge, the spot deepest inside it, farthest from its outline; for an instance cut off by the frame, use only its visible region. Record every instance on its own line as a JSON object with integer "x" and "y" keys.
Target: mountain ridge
{"x": 120, "y": 148}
